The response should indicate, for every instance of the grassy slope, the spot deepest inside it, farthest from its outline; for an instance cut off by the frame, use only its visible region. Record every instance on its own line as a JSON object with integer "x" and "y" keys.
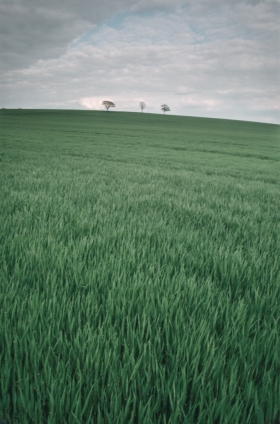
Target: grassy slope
{"x": 139, "y": 272}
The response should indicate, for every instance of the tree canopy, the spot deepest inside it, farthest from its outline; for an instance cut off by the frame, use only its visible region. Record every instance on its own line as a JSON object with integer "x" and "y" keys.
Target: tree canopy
{"x": 108, "y": 103}
{"x": 142, "y": 105}
{"x": 165, "y": 108}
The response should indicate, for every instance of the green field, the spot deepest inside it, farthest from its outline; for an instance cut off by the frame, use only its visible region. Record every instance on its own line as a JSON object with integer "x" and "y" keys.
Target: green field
{"x": 139, "y": 267}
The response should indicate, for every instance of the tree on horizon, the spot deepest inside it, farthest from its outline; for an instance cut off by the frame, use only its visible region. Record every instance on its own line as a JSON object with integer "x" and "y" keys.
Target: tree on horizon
{"x": 142, "y": 105}
{"x": 165, "y": 108}
{"x": 108, "y": 104}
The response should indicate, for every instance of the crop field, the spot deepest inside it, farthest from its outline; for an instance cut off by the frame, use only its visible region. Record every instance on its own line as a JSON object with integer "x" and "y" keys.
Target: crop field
{"x": 139, "y": 269}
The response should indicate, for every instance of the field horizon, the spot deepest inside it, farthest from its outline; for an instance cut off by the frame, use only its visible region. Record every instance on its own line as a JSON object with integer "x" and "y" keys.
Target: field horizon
{"x": 136, "y": 112}
{"x": 139, "y": 270}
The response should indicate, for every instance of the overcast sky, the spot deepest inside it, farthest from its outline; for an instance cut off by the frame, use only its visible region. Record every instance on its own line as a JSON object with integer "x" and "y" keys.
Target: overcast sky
{"x": 211, "y": 58}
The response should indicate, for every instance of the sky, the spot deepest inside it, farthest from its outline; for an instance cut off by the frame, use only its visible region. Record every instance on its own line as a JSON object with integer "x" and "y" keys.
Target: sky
{"x": 208, "y": 58}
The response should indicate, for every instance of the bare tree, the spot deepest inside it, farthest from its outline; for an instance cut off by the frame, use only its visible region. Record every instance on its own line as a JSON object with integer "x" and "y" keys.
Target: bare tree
{"x": 142, "y": 106}
{"x": 108, "y": 104}
{"x": 165, "y": 108}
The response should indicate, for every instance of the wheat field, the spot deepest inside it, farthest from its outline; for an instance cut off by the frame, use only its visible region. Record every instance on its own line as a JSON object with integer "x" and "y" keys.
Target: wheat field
{"x": 139, "y": 268}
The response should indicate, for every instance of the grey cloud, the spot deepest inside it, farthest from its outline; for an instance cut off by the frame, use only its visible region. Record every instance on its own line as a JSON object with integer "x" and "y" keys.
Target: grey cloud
{"x": 28, "y": 34}
{"x": 36, "y": 29}
{"x": 221, "y": 63}
{"x": 30, "y": 31}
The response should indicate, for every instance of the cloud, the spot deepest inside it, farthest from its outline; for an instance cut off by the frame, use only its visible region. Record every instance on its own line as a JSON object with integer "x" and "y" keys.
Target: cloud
{"x": 94, "y": 103}
{"x": 35, "y": 29}
{"x": 203, "y": 61}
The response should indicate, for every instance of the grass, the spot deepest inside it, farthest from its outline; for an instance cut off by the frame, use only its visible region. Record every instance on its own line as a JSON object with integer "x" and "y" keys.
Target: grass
{"x": 139, "y": 269}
